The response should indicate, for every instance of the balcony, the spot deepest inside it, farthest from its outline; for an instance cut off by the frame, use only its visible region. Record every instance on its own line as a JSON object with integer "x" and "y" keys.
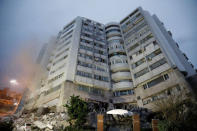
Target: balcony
{"x": 112, "y": 25}
{"x": 114, "y": 38}
{"x": 123, "y": 85}
{"x": 120, "y": 67}
{"x": 121, "y": 76}
{"x": 123, "y": 57}
{"x": 113, "y": 33}
{"x": 116, "y": 50}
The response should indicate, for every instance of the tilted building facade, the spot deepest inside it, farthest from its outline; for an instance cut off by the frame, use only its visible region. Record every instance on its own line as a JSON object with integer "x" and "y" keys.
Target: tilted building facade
{"x": 131, "y": 63}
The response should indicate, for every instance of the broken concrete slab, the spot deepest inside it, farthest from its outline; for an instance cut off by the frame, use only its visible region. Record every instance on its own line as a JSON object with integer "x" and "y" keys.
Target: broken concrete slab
{"x": 39, "y": 124}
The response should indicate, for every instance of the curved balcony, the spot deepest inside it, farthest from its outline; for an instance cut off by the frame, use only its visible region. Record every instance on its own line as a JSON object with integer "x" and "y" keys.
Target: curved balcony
{"x": 123, "y": 57}
{"x": 120, "y": 67}
{"x": 112, "y": 44}
{"x": 111, "y": 28}
{"x": 114, "y": 38}
{"x": 113, "y": 33}
{"x": 111, "y": 24}
{"x": 123, "y": 85}
{"x": 116, "y": 50}
{"x": 121, "y": 76}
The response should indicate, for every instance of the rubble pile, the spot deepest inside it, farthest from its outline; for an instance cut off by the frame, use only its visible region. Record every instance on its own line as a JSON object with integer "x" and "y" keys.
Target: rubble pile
{"x": 41, "y": 120}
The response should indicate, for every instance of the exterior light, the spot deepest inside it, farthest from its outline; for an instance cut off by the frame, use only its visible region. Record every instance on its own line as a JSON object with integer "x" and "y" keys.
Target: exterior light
{"x": 13, "y": 82}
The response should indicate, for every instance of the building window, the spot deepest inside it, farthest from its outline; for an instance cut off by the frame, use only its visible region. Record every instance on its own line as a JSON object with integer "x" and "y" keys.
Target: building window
{"x": 133, "y": 47}
{"x": 100, "y": 69}
{"x": 161, "y": 95}
{"x": 83, "y": 88}
{"x": 92, "y": 66}
{"x": 60, "y": 67}
{"x": 153, "y": 54}
{"x": 61, "y": 47}
{"x": 138, "y": 63}
{"x": 156, "y": 81}
{"x": 68, "y": 27}
{"x": 90, "y": 90}
{"x": 64, "y": 57}
{"x": 124, "y": 92}
{"x": 96, "y": 91}
{"x": 168, "y": 92}
{"x": 155, "y": 43}
{"x": 93, "y": 50}
{"x": 62, "y": 52}
{"x": 67, "y": 38}
{"x": 98, "y": 59}
{"x": 52, "y": 90}
{"x": 85, "y": 56}
{"x": 84, "y": 64}
{"x": 117, "y": 53}
{"x": 130, "y": 57}
{"x": 86, "y": 35}
{"x": 134, "y": 30}
{"x": 145, "y": 86}
{"x": 84, "y": 74}
{"x": 85, "y": 41}
{"x": 166, "y": 77}
{"x": 146, "y": 38}
{"x": 55, "y": 78}
{"x": 64, "y": 36}
{"x": 158, "y": 63}
{"x": 141, "y": 73}
{"x": 101, "y": 78}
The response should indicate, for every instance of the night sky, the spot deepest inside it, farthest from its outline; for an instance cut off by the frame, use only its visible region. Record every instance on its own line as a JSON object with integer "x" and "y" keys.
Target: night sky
{"x": 30, "y": 23}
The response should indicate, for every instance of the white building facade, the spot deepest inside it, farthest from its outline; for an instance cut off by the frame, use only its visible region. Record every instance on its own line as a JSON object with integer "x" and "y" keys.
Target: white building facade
{"x": 131, "y": 63}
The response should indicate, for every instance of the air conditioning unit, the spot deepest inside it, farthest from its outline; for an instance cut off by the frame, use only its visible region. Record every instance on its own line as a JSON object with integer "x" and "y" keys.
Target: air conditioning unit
{"x": 149, "y": 58}
{"x": 138, "y": 98}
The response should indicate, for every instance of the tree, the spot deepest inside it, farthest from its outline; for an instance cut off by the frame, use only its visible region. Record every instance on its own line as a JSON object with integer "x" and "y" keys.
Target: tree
{"x": 177, "y": 112}
{"x": 77, "y": 111}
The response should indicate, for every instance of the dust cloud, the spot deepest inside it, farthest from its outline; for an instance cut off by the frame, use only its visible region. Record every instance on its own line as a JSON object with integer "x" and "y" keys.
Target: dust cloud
{"x": 24, "y": 67}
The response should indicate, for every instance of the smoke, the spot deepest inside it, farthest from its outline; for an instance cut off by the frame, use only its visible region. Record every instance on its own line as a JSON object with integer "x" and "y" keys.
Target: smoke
{"x": 23, "y": 66}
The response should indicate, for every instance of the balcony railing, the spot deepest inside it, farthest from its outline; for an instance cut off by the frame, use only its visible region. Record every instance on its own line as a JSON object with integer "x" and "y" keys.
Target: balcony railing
{"x": 123, "y": 85}
{"x": 113, "y": 33}
{"x": 121, "y": 76}
{"x": 120, "y": 67}
{"x": 114, "y": 38}
{"x": 116, "y": 50}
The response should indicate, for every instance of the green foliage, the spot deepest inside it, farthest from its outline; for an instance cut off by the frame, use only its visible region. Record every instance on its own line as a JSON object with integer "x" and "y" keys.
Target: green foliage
{"x": 77, "y": 111}
{"x": 163, "y": 125}
{"x": 179, "y": 117}
{"x": 177, "y": 112}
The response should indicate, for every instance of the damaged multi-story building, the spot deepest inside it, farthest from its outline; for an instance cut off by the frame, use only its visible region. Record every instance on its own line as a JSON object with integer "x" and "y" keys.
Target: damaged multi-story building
{"x": 133, "y": 62}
